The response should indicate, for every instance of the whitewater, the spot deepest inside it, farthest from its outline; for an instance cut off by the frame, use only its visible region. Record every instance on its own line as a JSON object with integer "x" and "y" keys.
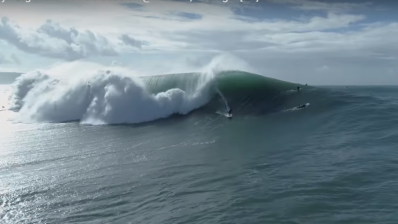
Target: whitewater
{"x": 105, "y": 98}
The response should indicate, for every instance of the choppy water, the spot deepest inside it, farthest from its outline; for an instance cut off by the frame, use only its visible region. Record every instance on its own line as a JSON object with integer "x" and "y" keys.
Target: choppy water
{"x": 333, "y": 162}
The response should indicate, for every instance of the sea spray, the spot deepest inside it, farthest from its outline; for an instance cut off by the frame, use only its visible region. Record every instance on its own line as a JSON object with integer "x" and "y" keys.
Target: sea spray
{"x": 127, "y": 101}
{"x": 223, "y": 99}
{"x": 108, "y": 99}
{"x": 210, "y": 72}
{"x": 23, "y": 86}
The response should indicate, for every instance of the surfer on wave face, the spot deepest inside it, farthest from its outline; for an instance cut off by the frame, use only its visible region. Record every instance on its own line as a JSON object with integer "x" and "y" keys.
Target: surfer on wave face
{"x": 302, "y": 106}
{"x": 230, "y": 112}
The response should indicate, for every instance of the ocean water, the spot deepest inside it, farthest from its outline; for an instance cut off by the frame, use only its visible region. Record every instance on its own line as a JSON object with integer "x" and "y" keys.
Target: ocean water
{"x": 116, "y": 149}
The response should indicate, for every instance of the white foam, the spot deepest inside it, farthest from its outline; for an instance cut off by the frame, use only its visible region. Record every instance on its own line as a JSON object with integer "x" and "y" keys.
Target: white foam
{"x": 99, "y": 99}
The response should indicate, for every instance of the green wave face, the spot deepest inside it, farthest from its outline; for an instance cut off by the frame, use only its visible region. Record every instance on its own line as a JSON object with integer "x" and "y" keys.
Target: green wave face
{"x": 237, "y": 82}
{"x": 241, "y": 90}
{"x": 228, "y": 82}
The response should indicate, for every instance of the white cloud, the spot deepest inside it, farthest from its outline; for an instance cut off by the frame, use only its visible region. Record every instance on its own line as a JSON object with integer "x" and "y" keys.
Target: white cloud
{"x": 163, "y": 29}
{"x": 9, "y": 59}
{"x": 52, "y": 40}
{"x": 15, "y": 59}
{"x": 158, "y": 33}
{"x": 3, "y": 59}
{"x": 130, "y": 41}
{"x": 337, "y": 7}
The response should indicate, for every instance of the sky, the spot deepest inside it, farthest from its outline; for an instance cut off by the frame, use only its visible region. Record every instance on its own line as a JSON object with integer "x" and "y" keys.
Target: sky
{"x": 317, "y": 42}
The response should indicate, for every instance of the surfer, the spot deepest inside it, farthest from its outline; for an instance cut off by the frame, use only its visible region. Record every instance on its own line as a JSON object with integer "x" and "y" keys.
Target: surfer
{"x": 302, "y": 106}
{"x": 230, "y": 112}
{"x": 298, "y": 88}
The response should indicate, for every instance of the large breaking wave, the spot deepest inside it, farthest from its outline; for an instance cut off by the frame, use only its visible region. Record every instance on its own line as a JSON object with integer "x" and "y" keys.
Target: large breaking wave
{"x": 112, "y": 98}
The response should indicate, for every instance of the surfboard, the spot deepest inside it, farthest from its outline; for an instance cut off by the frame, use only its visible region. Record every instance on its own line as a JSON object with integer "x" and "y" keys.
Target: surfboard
{"x": 296, "y": 108}
{"x": 306, "y": 105}
{"x": 224, "y": 114}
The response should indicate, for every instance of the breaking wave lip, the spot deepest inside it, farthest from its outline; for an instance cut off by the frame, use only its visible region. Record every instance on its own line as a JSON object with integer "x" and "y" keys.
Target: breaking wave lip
{"x": 110, "y": 98}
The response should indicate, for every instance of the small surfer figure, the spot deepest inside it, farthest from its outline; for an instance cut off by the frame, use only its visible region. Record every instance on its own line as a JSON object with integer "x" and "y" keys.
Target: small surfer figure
{"x": 230, "y": 112}
{"x": 302, "y": 106}
{"x": 298, "y": 88}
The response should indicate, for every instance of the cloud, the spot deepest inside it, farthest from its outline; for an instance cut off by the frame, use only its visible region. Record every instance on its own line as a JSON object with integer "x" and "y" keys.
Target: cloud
{"x": 133, "y": 6}
{"x": 15, "y": 59}
{"x": 292, "y": 44}
{"x": 52, "y": 40}
{"x": 170, "y": 25}
{"x": 131, "y": 41}
{"x": 336, "y": 7}
{"x": 273, "y": 35}
{"x": 188, "y": 15}
{"x": 12, "y": 59}
{"x": 211, "y": 32}
{"x": 3, "y": 60}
